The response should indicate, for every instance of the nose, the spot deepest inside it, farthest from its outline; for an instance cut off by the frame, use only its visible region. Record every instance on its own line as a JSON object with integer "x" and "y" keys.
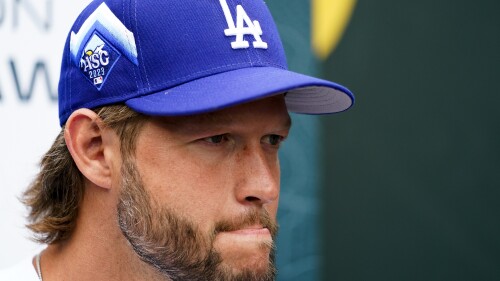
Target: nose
{"x": 259, "y": 180}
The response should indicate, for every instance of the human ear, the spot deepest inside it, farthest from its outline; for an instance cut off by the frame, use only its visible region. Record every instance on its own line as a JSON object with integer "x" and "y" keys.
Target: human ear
{"x": 90, "y": 144}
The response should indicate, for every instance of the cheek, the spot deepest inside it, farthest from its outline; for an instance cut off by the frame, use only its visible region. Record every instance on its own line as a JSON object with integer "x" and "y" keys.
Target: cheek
{"x": 177, "y": 181}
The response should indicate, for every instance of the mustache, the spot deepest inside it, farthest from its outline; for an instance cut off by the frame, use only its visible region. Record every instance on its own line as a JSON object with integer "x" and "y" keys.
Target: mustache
{"x": 249, "y": 218}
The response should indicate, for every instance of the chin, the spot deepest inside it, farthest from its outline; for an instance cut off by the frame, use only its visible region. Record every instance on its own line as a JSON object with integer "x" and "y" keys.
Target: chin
{"x": 254, "y": 258}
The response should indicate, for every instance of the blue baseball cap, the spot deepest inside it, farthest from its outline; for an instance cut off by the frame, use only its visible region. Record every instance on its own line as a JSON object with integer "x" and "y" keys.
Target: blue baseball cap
{"x": 172, "y": 58}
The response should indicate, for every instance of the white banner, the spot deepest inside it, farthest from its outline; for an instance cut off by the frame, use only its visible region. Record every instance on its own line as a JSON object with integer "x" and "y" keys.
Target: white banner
{"x": 32, "y": 37}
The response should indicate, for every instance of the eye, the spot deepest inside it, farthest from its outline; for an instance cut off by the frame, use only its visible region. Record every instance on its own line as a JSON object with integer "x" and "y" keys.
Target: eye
{"x": 274, "y": 140}
{"x": 218, "y": 139}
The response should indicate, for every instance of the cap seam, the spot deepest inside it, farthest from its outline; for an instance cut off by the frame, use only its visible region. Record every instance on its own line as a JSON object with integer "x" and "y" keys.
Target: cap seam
{"x": 139, "y": 45}
{"x": 134, "y": 69}
{"x": 70, "y": 87}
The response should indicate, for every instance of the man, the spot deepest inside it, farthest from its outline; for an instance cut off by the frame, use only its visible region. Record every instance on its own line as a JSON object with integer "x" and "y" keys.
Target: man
{"x": 166, "y": 167}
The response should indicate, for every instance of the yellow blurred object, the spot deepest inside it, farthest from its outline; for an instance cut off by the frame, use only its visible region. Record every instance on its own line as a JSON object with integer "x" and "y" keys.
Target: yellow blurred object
{"x": 89, "y": 53}
{"x": 329, "y": 20}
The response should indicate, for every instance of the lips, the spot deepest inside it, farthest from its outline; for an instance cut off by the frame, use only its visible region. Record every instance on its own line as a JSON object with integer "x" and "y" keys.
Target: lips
{"x": 251, "y": 231}
{"x": 246, "y": 237}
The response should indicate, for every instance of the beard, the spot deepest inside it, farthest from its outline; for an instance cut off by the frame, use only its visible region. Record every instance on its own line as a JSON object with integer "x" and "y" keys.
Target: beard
{"x": 176, "y": 247}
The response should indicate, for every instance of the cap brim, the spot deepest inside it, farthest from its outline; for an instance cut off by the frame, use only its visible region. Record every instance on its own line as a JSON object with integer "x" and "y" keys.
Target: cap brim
{"x": 305, "y": 94}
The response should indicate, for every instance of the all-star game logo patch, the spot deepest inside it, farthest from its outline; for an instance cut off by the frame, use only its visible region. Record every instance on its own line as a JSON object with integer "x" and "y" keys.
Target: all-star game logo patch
{"x": 101, "y": 41}
{"x": 98, "y": 59}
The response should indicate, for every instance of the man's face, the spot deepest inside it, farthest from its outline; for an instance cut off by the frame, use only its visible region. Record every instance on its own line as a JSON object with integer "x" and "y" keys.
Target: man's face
{"x": 200, "y": 197}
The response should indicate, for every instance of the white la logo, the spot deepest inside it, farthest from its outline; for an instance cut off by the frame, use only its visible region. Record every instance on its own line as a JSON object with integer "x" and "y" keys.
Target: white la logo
{"x": 242, "y": 18}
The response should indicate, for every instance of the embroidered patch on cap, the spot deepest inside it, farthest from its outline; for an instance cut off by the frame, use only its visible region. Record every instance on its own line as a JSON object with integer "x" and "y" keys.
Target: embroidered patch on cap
{"x": 98, "y": 59}
{"x": 99, "y": 44}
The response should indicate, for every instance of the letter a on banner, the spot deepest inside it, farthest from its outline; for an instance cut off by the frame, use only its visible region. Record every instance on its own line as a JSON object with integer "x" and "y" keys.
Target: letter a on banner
{"x": 239, "y": 29}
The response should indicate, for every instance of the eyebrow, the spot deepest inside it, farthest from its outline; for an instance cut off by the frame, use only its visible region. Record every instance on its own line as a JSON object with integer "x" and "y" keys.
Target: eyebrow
{"x": 182, "y": 122}
{"x": 226, "y": 119}
{"x": 215, "y": 118}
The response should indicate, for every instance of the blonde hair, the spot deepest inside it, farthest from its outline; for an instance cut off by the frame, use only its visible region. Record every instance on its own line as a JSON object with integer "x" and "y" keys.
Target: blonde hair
{"x": 54, "y": 196}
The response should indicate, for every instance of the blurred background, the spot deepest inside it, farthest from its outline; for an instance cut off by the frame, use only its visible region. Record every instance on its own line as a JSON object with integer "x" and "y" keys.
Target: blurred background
{"x": 412, "y": 184}
{"x": 404, "y": 186}
{"x": 410, "y": 177}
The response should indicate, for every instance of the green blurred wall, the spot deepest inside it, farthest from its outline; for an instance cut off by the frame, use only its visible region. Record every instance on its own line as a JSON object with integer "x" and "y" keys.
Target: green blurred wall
{"x": 412, "y": 172}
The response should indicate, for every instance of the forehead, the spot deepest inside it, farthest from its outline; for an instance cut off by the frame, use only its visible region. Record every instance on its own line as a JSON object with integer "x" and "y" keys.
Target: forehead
{"x": 268, "y": 111}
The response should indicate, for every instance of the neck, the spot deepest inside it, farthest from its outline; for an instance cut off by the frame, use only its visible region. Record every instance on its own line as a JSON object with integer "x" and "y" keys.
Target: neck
{"x": 96, "y": 250}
